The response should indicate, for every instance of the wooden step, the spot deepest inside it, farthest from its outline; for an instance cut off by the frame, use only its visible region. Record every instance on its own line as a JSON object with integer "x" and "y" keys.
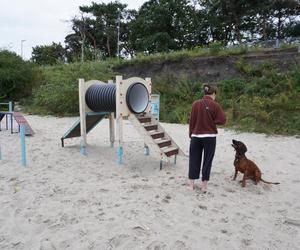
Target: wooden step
{"x": 144, "y": 119}
{"x": 157, "y": 134}
{"x": 150, "y": 127}
{"x": 170, "y": 151}
{"x": 163, "y": 142}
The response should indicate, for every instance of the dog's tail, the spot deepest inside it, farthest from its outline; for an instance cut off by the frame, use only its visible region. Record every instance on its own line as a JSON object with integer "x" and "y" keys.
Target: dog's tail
{"x": 275, "y": 183}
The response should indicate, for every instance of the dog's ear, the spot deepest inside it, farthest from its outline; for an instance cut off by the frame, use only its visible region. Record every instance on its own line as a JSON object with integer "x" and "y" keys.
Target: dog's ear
{"x": 243, "y": 148}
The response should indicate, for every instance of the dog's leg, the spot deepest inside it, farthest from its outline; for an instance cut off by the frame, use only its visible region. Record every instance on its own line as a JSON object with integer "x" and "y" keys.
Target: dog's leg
{"x": 244, "y": 179}
{"x": 257, "y": 177}
{"x": 235, "y": 174}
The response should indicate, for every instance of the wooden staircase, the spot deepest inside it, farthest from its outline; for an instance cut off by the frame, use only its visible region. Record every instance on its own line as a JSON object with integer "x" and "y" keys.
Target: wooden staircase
{"x": 155, "y": 137}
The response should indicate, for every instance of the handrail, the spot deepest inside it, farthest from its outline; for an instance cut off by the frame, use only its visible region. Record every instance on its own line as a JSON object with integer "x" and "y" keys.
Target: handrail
{"x": 9, "y": 104}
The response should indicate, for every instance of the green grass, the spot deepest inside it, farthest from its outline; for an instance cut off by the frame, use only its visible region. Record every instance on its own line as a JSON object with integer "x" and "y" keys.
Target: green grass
{"x": 214, "y": 49}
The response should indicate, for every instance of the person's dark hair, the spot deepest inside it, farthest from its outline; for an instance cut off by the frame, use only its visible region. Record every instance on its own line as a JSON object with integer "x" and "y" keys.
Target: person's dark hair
{"x": 209, "y": 90}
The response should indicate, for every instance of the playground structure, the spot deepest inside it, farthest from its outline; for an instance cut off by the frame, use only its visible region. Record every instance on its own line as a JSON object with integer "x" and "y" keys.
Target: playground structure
{"x": 124, "y": 99}
{"x": 11, "y": 115}
{"x": 23, "y": 127}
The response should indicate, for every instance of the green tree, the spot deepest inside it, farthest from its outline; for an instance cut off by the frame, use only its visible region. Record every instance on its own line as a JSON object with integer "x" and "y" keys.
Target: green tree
{"x": 48, "y": 54}
{"x": 293, "y": 30}
{"x": 97, "y": 30}
{"x": 17, "y": 77}
{"x": 164, "y": 25}
{"x": 284, "y": 12}
{"x": 243, "y": 20}
{"x": 230, "y": 20}
{"x": 82, "y": 43}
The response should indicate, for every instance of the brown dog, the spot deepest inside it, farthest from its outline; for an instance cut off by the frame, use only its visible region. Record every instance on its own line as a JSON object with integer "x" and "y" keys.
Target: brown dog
{"x": 246, "y": 166}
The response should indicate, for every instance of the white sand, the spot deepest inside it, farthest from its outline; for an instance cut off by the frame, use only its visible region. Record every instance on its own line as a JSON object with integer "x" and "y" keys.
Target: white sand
{"x": 64, "y": 200}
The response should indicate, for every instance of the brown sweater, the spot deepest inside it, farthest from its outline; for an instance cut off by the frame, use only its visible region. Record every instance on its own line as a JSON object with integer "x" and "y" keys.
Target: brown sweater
{"x": 203, "y": 121}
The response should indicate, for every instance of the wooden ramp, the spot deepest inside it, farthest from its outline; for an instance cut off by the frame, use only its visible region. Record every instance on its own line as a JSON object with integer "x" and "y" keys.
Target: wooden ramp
{"x": 155, "y": 137}
{"x": 92, "y": 119}
{"x": 20, "y": 119}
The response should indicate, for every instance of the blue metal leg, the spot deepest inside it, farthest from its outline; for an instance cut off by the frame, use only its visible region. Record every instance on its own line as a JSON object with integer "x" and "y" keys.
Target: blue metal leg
{"x": 120, "y": 155}
{"x": 146, "y": 150}
{"x": 23, "y": 147}
{"x": 10, "y": 107}
{"x": 11, "y": 124}
{"x": 82, "y": 148}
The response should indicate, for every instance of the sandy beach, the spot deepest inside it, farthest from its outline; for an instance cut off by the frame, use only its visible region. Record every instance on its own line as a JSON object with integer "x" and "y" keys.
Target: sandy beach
{"x": 64, "y": 200}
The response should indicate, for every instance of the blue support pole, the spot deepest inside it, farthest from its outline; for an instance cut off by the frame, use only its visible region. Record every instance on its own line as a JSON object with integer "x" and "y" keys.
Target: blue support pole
{"x": 0, "y": 153}
{"x": 82, "y": 148}
{"x": 146, "y": 150}
{"x": 11, "y": 123}
{"x": 23, "y": 146}
{"x": 10, "y": 107}
{"x": 120, "y": 154}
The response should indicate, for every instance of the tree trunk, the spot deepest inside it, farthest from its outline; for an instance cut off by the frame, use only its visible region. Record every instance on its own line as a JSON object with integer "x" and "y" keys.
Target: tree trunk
{"x": 108, "y": 46}
{"x": 237, "y": 33}
{"x": 237, "y": 29}
{"x": 264, "y": 27}
{"x": 94, "y": 45}
{"x": 279, "y": 24}
{"x": 82, "y": 46}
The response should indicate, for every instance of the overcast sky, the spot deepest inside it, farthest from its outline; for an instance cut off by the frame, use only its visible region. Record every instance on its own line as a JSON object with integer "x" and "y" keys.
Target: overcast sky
{"x": 39, "y": 22}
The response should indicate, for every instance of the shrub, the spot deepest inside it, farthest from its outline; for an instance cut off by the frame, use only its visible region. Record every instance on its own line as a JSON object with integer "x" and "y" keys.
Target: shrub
{"x": 17, "y": 77}
{"x": 177, "y": 96}
{"x": 268, "y": 102}
{"x": 215, "y": 47}
{"x": 58, "y": 93}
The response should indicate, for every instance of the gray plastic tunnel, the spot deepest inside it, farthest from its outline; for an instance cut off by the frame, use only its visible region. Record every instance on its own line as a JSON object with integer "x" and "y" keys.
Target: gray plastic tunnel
{"x": 102, "y": 97}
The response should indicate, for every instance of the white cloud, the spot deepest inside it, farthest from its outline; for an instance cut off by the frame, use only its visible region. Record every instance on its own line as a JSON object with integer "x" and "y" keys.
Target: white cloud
{"x": 40, "y": 22}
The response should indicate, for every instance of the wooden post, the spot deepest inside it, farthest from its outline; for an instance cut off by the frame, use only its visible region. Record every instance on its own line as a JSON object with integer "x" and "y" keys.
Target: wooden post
{"x": 82, "y": 112}
{"x": 112, "y": 129}
{"x": 111, "y": 124}
{"x": 119, "y": 118}
{"x": 149, "y": 88}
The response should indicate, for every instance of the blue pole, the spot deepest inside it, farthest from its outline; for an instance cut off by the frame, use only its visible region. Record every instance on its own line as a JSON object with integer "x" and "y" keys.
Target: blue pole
{"x": 146, "y": 150}
{"x": 82, "y": 148}
{"x": 23, "y": 147}
{"x": 120, "y": 154}
{"x": 10, "y": 107}
{"x": 0, "y": 153}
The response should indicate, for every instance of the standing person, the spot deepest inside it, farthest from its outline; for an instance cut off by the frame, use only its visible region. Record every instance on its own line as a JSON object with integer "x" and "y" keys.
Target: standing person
{"x": 206, "y": 114}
